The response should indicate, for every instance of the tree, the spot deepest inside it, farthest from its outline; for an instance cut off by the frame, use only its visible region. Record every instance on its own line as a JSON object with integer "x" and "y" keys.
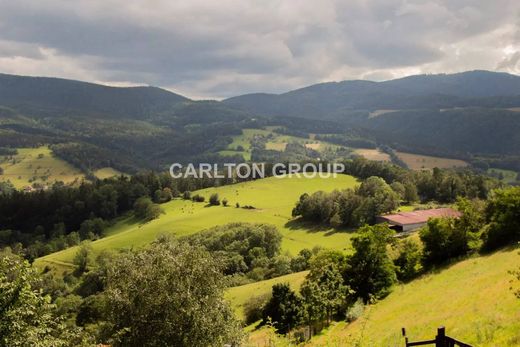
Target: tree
{"x": 410, "y": 192}
{"x": 283, "y": 309}
{"x": 92, "y": 226}
{"x": 323, "y": 290}
{"x": 442, "y": 240}
{"x": 301, "y": 261}
{"x": 145, "y": 209}
{"x": 370, "y": 272}
{"x": 27, "y": 317}
{"x": 82, "y": 257}
{"x": 214, "y": 199}
{"x": 170, "y": 293}
{"x": 503, "y": 215}
{"x": 224, "y": 202}
{"x": 408, "y": 262}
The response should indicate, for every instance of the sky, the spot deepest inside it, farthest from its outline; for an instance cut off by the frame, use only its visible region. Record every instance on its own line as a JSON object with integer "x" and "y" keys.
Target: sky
{"x": 222, "y": 48}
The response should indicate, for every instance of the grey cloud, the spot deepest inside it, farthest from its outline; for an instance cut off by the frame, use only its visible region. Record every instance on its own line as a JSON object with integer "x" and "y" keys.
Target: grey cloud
{"x": 225, "y": 48}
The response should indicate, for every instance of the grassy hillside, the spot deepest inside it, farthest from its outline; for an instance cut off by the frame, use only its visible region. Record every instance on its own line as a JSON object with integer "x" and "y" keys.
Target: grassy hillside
{"x": 418, "y": 162}
{"x": 238, "y": 296}
{"x": 276, "y": 142}
{"x": 471, "y": 298}
{"x": 273, "y": 199}
{"x": 37, "y": 165}
{"x": 106, "y": 172}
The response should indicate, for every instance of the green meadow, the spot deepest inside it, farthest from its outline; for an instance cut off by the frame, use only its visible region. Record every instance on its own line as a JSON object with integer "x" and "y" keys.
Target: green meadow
{"x": 276, "y": 142}
{"x": 273, "y": 199}
{"x": 106, "y": 172}
{"x": 37, "y": 165}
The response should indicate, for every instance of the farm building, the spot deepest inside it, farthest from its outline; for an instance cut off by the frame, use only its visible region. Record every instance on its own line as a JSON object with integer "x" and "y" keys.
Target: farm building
{"x": 409, "y": 221}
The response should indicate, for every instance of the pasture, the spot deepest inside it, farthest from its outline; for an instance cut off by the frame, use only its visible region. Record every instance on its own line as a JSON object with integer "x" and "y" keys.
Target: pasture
{"x": 273, "y": 199}
{"x": 372, "y": 154}
{"x": 277, "y": 142}
{"x": 37, "y": 165}
{"x": 106, "y": 172}
{"x": 421, "y": 162}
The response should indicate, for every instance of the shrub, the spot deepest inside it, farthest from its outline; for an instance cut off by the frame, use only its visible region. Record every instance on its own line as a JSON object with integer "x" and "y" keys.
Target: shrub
{"x": 198, "y": 198}
{"x": 408, "y": 262}
{"x": 503, "y": 213}
{"x": 355, "y": 311}
{"x": 442, "y": 240}
{"x": 186, "y": 195}
{"x": 214, "y": 199}
{"x": 283, "y": 309}
{"x": 254, "y": 307}
{"x": 224, "y": 202}
{"x": 145, "y": 209}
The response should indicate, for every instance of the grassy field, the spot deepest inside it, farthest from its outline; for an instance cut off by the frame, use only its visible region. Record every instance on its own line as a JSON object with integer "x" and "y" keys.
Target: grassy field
{"x": 106, "y": 172}
{"x": 37, "y": 165}
{"x": 372, "y": 154}
{"x": 472, "y": 299}
{"x": 240, "y": 295}
{"x": 273, "y": 199}
{"x": 276, "y": 142}
{"x": 418, "y": 162}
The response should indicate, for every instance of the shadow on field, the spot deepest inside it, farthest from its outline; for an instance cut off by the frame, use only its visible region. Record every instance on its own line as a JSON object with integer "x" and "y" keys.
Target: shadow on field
{"x": 300, "y": 224}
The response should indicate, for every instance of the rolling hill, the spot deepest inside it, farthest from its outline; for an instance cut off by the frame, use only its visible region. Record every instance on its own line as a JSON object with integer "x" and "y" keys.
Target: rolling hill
{"x": 472, "y": 88}
{"x": 43, "y": 95}
{"x": 472, "y": 299}
{"x": 272, "y": 198}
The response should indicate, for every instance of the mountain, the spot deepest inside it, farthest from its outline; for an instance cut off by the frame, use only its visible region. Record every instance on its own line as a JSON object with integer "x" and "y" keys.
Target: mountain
{"x": 467, "y": 115}
{"x": 47, "y": 96}
{"x": 337, "y": 100}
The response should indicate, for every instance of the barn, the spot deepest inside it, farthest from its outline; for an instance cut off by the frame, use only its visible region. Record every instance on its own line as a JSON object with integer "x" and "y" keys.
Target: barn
{"x": 409, "y": 221}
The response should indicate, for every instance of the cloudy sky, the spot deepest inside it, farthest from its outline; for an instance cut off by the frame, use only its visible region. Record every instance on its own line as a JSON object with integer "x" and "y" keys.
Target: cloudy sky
{"x": 221, "y": 48}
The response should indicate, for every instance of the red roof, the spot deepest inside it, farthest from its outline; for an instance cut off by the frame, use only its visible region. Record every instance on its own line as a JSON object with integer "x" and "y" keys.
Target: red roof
{"x": 420, "y": 216}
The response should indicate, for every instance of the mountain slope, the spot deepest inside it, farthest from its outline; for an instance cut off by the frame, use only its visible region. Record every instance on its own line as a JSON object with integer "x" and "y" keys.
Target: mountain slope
{"x": 473, "y": 88}
{"x": 45, "y": 96}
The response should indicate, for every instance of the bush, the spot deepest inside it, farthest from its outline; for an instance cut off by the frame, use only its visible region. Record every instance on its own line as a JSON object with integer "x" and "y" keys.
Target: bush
{"x": 214, "y": 199}
{"x": 198, "y": 198}
{"x": 186, "y": 195}
{"x": 224, "y": 202}
{"x": 408, "y": 262}
{"x": 283, "y": 309}
{"x": 503, "y": 214}
{"x": 355, "y": 311}
{"x": 145, "y": 209}
{"x": 442, "y": 240}
{"x": 254, "y": 307}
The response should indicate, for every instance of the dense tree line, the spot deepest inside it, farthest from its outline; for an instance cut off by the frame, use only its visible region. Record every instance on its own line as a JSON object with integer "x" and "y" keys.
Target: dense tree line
{"x": 350, "y": 207}
{"x": 383, "y": 188}
{"x": 50, "y": 220}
